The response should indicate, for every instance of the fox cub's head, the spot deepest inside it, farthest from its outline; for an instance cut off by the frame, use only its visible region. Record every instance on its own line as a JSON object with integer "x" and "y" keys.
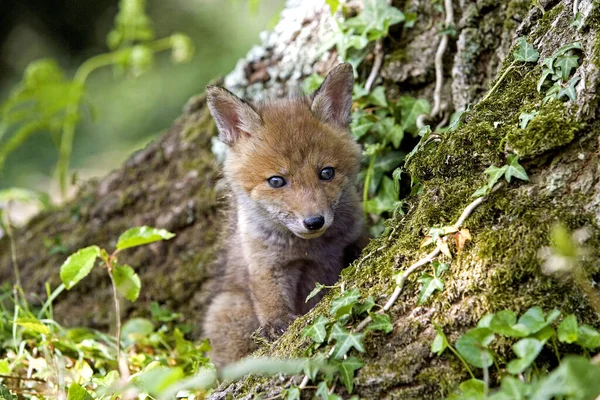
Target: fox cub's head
{"x": 291, "y": 161}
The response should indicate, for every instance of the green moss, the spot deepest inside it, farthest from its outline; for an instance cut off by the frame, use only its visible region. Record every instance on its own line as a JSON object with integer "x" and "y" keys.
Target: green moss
{"x": 548, "y": 19}
{"x": 553, "y": 127}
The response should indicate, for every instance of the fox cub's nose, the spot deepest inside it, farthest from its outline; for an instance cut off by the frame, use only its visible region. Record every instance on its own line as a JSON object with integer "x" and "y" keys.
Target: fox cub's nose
{"x": 314, "y": 223}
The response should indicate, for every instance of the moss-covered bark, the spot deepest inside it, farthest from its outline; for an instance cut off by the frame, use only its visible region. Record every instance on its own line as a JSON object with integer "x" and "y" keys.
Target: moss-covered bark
{"x": 171, "y": 184}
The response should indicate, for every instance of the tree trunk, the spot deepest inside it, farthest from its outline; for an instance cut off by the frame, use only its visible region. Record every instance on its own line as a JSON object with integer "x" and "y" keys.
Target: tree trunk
{"x": 172, "y": 184}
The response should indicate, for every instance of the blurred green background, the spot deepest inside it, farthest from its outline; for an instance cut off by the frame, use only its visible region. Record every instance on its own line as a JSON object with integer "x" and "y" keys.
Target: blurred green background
{"x": 127, "y": 113}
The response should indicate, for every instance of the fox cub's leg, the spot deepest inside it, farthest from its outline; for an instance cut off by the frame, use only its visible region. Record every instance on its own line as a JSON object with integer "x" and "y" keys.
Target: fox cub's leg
{"x": 272, "y": 291}
{"x": 229, "y": 323}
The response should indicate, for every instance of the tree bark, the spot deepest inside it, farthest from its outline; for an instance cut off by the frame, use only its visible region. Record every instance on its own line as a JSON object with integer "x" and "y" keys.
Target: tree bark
{"x": 172, "y": 184}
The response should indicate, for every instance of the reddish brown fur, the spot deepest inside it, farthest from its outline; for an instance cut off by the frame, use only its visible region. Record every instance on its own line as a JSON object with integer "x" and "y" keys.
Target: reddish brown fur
{"x": 271, "y": 261}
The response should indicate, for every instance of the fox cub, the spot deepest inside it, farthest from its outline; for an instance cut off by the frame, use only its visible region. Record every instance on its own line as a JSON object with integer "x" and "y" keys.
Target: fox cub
{"x": 295, "y": 216}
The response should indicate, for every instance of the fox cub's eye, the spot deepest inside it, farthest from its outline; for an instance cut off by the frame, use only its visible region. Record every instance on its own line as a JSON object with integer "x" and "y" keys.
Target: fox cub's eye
{"x": 327, "y": 173}
{"x": 276, "y": 182}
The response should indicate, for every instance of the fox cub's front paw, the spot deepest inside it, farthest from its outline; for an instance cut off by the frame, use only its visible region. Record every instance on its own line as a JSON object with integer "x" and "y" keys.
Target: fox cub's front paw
{"x": 273, "y": 329}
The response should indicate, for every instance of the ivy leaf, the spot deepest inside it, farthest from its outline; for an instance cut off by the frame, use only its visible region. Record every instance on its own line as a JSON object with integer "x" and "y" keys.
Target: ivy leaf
{"x": 524, "y": 118}
{"x": 365, "y": 306}
{"x": 77, "y": 392}
{"x": 473, "y": 347}
{"x": 343, "y": 304}
{"x": 345, "y": 341}
{"x": 494, "y": 173}
{"x": 381, "y": 322}
{"x": 527, "y": 350}
{"x": 347, "y": 369}
{"x": 142, "y": 235}
{"x": 127, "y": 281}
{"x": 565, "y": 65}
{"x": 314, "y": 365}
{"x": 318, "y": 330}
{"x": 78, "y": 265}
{"x": 375, "y": 19}
{"x": 525, "y": 52}
{"x": 322, "y": 391}
{"x": 292, "y": 393}
{"x": 482, "y": 191}
{"x": 410, "y": 109}
{"x": 513, "y": 389}
{"x": 569, "y": 91}
{"x": 567, "y": 329}
{"x": 514, "y": 169}
{"x": 440, "y": 342}
{"x": 377, "y": 97}
{"x": 429, "y": 284}
{"x": 314, "y": 292}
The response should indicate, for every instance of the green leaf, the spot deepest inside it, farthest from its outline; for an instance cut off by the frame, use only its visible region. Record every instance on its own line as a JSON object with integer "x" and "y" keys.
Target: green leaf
{"x": 333, "y": 5}
{"x": 314, "y": 365}
{"x": 142, "y": 235}
{"x": 482, "y": 191}
{"x": 505, "y": 323}
{"x": 569, "y": 91}
{"x": 494, "y": 174}
{"x": 514, "y": 169}
{"x": 322, "y": 391}
{"x": 4, "y": 367}
{"x": 345, "y": 341}
{"x": 78, "y": 265}
{"x": 527, "y": 350}
{"x": 381, "y": 322}
{"x": 525, "y": 52}
{"x": 375, "y": 19}
{"x": 534, "y": 321}
{"x": 127, "y": 281}
{"x": 5, "y": 394}
{"x": 312, "y": 83}
{"x": 377, "y": 97}
{"x": 33, "y": 325}
{"x": 565, "y": 65}
{"x": 158, "y": 379}
{"x": 588, "y": 337}
{"x": 440, "y": 342}
{"x": 472, "y": 346}
{"x": 512, "y": 389}
{"x": 77, "y": 392}
{"x": 472, "y": 388}
{"x": 364, "y": 307}
{"x": 410, "y": 109}
{"x": 568, "y": 329}
{"x": 136, "y": 328}
{"x": 524, "y": 118}
{"x": 291, "y": 393}
{"x": 384, "y": 200}
{"x": 429, "y": 284}
{"x": 347, "y": 369}
{"x": 575, "y": 378}
{"x": 314, "y": 292}
{"x": 343, "y": 304}
{"x": 318, "y": 330}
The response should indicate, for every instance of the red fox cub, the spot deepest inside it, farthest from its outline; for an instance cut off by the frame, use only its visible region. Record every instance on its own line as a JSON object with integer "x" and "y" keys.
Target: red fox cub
{"x": 295, "y": 216}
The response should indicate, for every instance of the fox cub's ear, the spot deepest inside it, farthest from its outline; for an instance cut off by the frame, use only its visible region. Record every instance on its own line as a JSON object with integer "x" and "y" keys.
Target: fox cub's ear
{"x": 234, "y": 117}
{"x": 333, "y": 100}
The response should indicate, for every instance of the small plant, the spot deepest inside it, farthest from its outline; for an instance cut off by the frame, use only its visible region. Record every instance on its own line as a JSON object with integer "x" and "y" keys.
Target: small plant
{"x": 48, "y": 101}
{"x": 559, "y": 70}
{"x": 511, "y": 170}
{"x": 533, "y": 331}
